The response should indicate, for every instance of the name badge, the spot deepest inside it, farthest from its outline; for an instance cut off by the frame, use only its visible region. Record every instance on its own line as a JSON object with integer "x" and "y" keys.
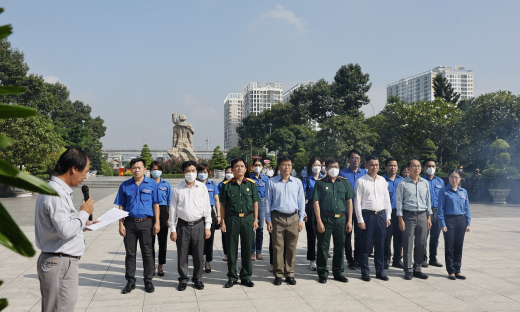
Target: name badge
{"x": 463, "y": 197}
{"x": 210, "y": 190}
{"x": 438, "y": 186}
{"x": 261, "y": 184}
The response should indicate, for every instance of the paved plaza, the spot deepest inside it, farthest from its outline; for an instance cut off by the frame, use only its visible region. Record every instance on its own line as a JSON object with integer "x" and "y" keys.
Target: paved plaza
{"x": 490, "y": 262}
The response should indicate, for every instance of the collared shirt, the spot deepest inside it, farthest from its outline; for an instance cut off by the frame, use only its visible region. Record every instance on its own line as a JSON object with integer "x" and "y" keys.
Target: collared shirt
{"x": 58, "y": 226}
{"x": 392, "y": 186}
{"x": 308, "y": 185}
{"x": 333, "y": 196}
{"x": 138, "y": 200}
{"x": 239, "y": 198}
{"x": 372, "y": 195}
{"x": 261, "y": 183}
{"x": 165, "y": 192}
{"x": 453, "y": 203}
{"x": 352, "y": 176}
{"x": 284, "y": 197}
{"x": 435, "y": 186}
{"x": 413, "y": 196}
{"x": 212, "y": 191}
{"x": 190, "y": 204}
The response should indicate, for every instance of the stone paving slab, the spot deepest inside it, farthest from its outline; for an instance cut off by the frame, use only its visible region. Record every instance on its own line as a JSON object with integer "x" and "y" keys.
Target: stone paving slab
{"x": 490, "y": 262}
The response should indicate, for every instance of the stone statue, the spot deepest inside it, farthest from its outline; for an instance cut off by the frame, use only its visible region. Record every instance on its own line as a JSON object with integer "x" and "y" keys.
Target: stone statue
{"x": 182, "y": 138}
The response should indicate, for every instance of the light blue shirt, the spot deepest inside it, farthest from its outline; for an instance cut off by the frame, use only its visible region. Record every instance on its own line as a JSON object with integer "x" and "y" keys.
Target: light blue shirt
{"x": 284, "y": 197}
{"x": 413, "y": 196}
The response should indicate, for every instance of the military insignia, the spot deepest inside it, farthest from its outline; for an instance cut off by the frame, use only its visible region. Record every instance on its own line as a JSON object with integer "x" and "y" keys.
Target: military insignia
{"x": 247, "y": 189}
{"x": 326, "y": 187}
{"x": 321, "y": 178}
{"x": 225, "y": 182}
{"x": 250, "y": 180}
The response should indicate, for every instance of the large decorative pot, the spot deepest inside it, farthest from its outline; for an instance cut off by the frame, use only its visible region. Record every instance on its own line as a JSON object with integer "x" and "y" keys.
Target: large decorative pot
{"x": 10, "y": 191}
{"x": 499, "y": 195}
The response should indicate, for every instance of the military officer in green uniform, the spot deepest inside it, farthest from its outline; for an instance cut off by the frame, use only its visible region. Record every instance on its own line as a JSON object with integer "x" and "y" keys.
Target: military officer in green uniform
{"x": 239, "y": 206}
{"x": 332, "y": 200}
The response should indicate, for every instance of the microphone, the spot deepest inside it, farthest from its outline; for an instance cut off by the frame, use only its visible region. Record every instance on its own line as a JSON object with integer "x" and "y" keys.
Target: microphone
{"x": 84, "y": 190}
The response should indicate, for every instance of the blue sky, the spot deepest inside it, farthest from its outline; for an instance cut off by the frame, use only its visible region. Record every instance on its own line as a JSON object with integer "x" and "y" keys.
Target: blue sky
{"x": 137, "y": 62}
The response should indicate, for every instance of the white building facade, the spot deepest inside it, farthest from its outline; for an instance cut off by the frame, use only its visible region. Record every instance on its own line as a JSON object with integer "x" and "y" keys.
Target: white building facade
{"x": 287, "y": 97}
{"x": 233, "y": 114}
{"x": 260, "y": 96}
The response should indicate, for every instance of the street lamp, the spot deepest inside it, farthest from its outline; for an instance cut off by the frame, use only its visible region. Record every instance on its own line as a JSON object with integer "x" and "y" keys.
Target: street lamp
{"x": 373, "y": 111}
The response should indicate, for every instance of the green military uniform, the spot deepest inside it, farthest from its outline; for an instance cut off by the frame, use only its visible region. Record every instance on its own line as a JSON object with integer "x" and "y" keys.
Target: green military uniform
{"x": 332, "y": 198}
{"x": 239, "y": 200}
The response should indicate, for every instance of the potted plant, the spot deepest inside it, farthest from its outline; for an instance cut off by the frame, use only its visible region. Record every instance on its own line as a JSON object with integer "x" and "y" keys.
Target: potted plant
{"x": 498, "y": 169}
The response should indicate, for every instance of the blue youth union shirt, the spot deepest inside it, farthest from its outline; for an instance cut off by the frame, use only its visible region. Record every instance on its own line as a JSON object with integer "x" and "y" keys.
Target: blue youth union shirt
{"x": 308, "y": 185}
{"x": 261, "y": 182}
{"x": 392, "y": 186}
{"x": 165, "y": 193}
{"x": 352, "y": 177}
{"x": 453, "y": 203}
{"x": 138, "y": 200}
{"x": 212, "y": 191}
{"x": 435, "y": 186}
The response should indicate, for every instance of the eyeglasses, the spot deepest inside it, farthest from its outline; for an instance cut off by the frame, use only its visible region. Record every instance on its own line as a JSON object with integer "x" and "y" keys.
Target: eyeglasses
{"x": 415, "y": 166}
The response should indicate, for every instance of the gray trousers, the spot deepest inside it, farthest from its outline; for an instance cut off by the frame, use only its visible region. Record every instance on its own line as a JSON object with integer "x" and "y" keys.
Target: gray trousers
{"x": 58, "y": 282}
{"x": 190, "y": 236}
{"x": 414, "y": 239}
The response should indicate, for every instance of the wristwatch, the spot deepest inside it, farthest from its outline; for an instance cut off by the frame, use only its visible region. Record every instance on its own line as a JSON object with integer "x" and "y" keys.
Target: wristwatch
{"x": 256, "y": 220}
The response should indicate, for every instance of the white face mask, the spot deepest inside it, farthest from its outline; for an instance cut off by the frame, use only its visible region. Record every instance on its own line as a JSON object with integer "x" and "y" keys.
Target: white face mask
{"x": 257, "y": 169}
{"x": 323, "y": 170}
{"x": 430, "y": 171}
{"x": 190, "y": 176}
{"x": 229, "y": 176}
{"x": 316, "y": 169}
{"x": 333, "y": 172}
{"x": 202, "y": 176}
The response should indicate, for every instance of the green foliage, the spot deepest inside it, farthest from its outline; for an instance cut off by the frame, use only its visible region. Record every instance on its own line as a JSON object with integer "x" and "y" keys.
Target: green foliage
{"x": 442, "y": 88}
{"x": 128, "y": 174}
{"x": 173, "y": 176}
{"x": 146, "y": 155}
{"x": 428, "y": 150}
{"x": 499, "y": 146}
{"x": 301, "y": 158}
{"x": 106, "y": 169}
{"x": 218, "y": 160}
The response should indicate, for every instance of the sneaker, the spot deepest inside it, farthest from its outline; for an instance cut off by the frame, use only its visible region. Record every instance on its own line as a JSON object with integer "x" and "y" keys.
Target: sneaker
{"x": 312, "y": 267}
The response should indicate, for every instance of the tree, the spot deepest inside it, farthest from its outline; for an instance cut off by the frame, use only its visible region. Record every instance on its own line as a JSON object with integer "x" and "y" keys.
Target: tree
{"x": 428, "y": 150}
{"x": 350, "y": 86}
{"x": 234, "y": 152}
{"x": 443, "y": 88}
{"x": 218, "y": 160}
{"x": 301, "y": 158}
{"x": 146, "y": 156}
{"x": 289, "y": 140}
{"x": 106, "y": 169}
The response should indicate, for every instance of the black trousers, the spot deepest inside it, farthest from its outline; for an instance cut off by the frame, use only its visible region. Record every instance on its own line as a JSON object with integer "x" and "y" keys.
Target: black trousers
{"x": 357, "y": 241}
{"x": 375, "y": 231}
{"x": 142, "y": 232}
{"x": 311, "y": 229}
{"x": 453, "y": 241}
{"x": 208, "y": 243}
{"x": 434, "y": 233}
{"x": 162, "y": 236}
{"x": 394, "y": 231}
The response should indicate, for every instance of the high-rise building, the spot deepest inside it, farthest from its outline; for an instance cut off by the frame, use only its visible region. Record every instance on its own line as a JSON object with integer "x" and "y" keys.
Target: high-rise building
{"x": 260, "y": 96}
{"x": 233, "y": 114}
{"x": 420, "y": 87}
{"x": 287, "y": 97}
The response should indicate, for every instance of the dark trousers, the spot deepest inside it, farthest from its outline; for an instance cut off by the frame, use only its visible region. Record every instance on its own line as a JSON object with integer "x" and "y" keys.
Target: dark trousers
{"x": 394, "y": 231}
{"x": 311, "y": 229}
{"x": 453, "y": 241}
{"x": 416, "y": 226}
{"x": 270, "y": 249}
{"x": 375, "y": 231}
{"x": 224, "y": 247}
{"x": 337, "y": 228}
{"x": 258, "y": 239}
{"x": 434, "y": 233}
{"x": 190, "y": 237}
{"x": 142, "y": 232}
{"x": 242, "y": 228}
{"x": 208, "y": 243}
{"x": 162, "y": 236}
{"x": 357, "y": 242}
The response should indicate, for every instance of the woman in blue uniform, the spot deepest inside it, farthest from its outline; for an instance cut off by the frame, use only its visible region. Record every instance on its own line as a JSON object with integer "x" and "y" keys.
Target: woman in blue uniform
{"x": 261, "y": 181}
{"x": 313, "y": 174}
{"x": 228, "y": 175}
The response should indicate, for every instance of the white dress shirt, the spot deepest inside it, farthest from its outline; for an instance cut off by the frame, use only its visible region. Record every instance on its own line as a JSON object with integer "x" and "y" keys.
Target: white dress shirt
{"x": 372, "y": 195}
{"x": 190, "y": 204}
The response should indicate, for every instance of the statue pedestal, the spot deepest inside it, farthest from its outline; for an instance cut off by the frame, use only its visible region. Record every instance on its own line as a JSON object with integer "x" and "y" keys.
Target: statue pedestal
{"x": 182, "y": 153}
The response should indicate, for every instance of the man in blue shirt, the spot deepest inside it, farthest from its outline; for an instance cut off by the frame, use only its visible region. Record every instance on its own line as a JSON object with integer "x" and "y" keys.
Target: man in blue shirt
{"x": 139, "y": 196}
{"x": 436, "y": 184}
{"x": 353, "y": 173}
{"x": 392, "y": 178}
{"x": 285, "y": 211}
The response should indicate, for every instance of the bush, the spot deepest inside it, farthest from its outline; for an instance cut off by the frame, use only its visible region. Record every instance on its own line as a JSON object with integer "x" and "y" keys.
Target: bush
{"x": 128, "y": 174}
{"x": 172, "y": 176}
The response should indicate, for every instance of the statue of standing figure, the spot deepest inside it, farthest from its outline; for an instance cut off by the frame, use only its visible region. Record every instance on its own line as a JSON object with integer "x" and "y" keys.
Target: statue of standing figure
{"x": 182, "y": 138}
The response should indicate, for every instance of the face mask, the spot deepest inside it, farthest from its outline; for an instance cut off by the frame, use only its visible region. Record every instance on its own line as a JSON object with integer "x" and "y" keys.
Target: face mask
{"x": 278, "y": 172}
{"x": 323, "y": 170}
{"x": 257, "y": 169}
{"x": 430, "y": 171}
{"x": 202, "y": 176}
{"x": 333, "y": 172}
{"x": 229, "y": 176}
{"x": 190, "y": 176}
{"x": 316, "y": 169}
{"x": 156, "y": 173}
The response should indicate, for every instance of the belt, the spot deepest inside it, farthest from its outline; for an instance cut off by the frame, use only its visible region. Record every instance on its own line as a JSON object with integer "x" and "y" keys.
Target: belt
{"x": 191, "y": 222}
{"x": 339, "y": 215}
{"x": 61, "y": 255}
{"x": 373, "y": 212}
{"x": 414, "y": 212}
{"x": 138, "y": 220}
{"x": 240, "y": 215}
{"x": 287, "y": 215}
{"x": 434, "y": 209}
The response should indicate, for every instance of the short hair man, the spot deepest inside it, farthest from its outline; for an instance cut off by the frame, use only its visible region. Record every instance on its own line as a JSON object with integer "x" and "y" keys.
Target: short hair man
{"x": 393, "y": 179}
{"x": 285, "y": 211}
{"x": 59, "y": 233}
{"x": 190, "y": 223}
{"x": 139, "y": 196}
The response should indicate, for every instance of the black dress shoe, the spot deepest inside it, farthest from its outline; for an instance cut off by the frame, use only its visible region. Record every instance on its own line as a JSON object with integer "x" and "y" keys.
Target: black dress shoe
{"x": 322, "y": 280}
{"x": 365, "y": 277}
{"x": 248, "y": 283}
{"x": 382, "y": 277}
{"x": 182, "y": 286}
{"x": 435, "y": 263}
{"x": 459, "y": 276}
{"x": 148, "y": 287}
{"x": 387, "y": 264}
{"x": 341, "y": 278}
{"x": 199, "y": 285}
{"x": 290, "y": 280}
{"x": 452, "y": 277}
{"x": 408, "y": 276}
{"x": 425, "y": 264}
{"x": 230, "y": 284}
{"x": 207, "y": 268}
{"x": 351, "y": 266}
{"x": 277, "y": 281}
{"x": 397, "y": 264}
{"x": 128, "y": 288}
{"x": 420, "y": 275}
{"x": 160, "y": 273}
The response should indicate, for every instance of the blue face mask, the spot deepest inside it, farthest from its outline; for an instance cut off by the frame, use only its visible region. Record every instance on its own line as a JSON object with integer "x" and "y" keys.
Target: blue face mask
{"x": 156, "y": 173}
{"x": 202, "y": 176}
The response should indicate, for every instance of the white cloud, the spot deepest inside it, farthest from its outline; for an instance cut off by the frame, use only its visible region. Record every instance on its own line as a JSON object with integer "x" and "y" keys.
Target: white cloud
{"x": 51, "y": 79}
{"x": 281, "y": 14}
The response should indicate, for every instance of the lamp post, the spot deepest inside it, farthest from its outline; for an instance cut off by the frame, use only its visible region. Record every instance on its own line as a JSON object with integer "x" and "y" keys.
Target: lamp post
{"x": 373, "y": 111}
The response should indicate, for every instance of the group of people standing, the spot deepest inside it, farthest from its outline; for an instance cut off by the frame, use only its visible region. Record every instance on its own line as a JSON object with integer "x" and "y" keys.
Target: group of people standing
{"x": 403, "y": 209}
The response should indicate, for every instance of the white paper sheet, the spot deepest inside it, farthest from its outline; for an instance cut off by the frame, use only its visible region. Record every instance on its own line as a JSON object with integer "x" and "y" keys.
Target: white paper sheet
{"x": 108, "y": 217}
